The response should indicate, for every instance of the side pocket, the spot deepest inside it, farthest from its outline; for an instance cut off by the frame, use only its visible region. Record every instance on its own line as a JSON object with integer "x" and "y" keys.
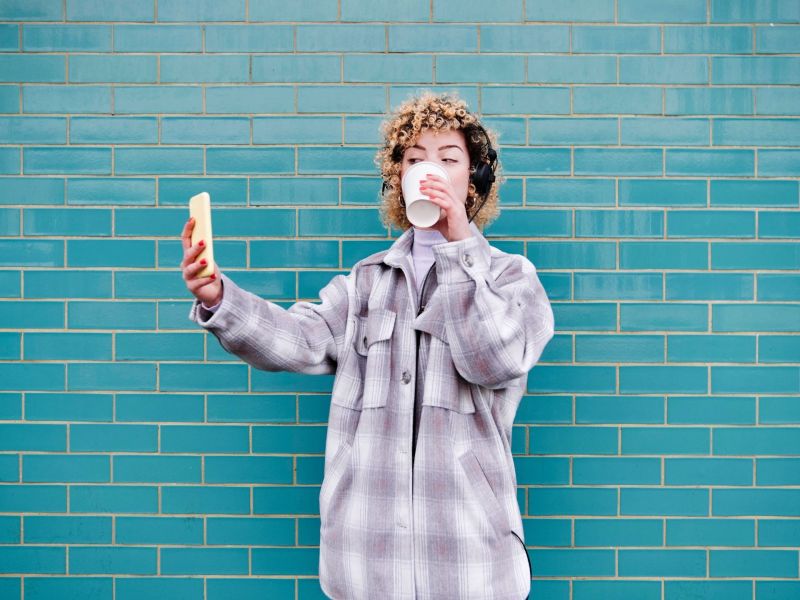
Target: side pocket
{"x": 483, "y": 491}
{"x": 333, "y": 475}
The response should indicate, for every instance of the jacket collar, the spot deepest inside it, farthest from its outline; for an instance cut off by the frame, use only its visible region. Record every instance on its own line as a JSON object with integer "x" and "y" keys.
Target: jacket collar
{"x": 400, "y": 250}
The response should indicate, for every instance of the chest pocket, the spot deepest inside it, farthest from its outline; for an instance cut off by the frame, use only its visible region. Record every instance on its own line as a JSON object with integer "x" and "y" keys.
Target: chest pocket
{"x": 373, "y": 344}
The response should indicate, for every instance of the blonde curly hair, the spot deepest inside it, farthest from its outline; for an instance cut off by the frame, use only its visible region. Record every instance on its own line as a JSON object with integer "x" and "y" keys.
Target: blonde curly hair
{"x": 437, "y": 112}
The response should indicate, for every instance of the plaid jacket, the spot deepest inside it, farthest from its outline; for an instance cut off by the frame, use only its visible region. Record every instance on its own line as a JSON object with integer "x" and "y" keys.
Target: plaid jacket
{"x": 441, "y": 521}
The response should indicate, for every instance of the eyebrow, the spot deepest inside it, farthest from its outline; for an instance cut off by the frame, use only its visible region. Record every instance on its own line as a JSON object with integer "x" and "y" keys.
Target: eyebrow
{"x": 440, "y": 147}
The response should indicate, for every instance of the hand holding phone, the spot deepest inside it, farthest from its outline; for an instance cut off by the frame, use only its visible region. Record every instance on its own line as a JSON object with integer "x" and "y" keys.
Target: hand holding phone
{"x": 200, "y": 271}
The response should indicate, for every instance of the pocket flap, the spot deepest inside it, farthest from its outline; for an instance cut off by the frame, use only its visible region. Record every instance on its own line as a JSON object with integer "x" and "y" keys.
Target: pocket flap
{"x": 376, "y": 326}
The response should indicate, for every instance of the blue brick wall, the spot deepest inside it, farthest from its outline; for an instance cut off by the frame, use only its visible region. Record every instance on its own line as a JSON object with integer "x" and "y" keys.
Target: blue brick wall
{"x": 651, "y": 149}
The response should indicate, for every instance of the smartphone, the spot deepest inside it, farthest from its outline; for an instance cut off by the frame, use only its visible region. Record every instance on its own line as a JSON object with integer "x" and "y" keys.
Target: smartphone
{"x": 200, "y": 209}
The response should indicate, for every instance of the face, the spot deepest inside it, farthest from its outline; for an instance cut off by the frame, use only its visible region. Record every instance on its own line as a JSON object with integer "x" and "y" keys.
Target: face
{"x": 449, "y": 150}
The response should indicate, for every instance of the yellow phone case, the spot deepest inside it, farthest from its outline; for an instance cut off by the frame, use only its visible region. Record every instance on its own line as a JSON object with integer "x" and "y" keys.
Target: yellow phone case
{"x": 200, "y": 209}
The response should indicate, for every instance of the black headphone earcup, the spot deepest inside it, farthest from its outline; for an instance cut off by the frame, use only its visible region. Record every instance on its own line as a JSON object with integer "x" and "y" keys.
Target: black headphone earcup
{"x": 482, "y": 178}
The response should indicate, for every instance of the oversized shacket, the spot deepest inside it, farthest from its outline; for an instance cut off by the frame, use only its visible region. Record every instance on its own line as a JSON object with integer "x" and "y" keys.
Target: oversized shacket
{"x": 445, "y": 525}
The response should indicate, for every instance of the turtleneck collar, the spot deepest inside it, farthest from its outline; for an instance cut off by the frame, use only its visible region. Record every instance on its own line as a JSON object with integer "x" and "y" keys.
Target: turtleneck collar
{"x": 425, "y": 238}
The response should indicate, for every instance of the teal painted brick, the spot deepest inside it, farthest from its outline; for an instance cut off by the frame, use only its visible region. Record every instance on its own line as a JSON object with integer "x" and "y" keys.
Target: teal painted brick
{"x": 781, "y": 532}
{"x": 536, "y": 160}
{"x": 664, "y": 501}
{"x": 666, "y": 440}
{"x": 40, "y": 190}
{"x": 67, "y": 222}
{"x": 31, "y": 10}
{"x": 711, "y": 471}
{"x": 224, "y": 190}
{"x": 340, "y": 38}
{"x": 66, "y": 38}
{"x": 571, "y": 10}
{"x": 250, "y": 531}
{"x": 663, "y": 69}
{"x": 33, "y": 130}
{"x": 297, "y": 67}
{"x": 69, "y": 99}
{"x": 324, "y": 159}
{"x": 295, "y": 254}
{"x": 36, "y": 559}
{"x": 525, "y": 222}
{"x": 615, "y": 39}
{"x": 533, "y": 409}
{"x": 10, "y": 283}
{"x": 776, "y": 101}
{"x": 337, "y": 99}
{"x": 297, "y": 130}
{"x": 33, "y": 498}
{"x": 572, "y": 379}
{"x": 510, "y": 99}
{"x": 749, "y": 317}
{"x": 755, "y": 69}
{"x": 768, "y": 255}
{"x": 217, "y": 439}
{"x": 250, "y": 469}
{"x": 376, "y": 67}
{"x": 711, "y": 532}
{"x": 574, "y": 501}
{"x": 276, "y": 10}
{"x": 662, "y": 563}
{"x": 113, "y": 10}
{"x": 618, "y": 532}
{"x": 24, "y": 314}
{"x": 138, "y": 161}
{"x": 553, "y": 131}
{"x": 568, "y": 192}
{"x": 153, "y": 99}
{"x": 67, "y": 530}
{"x": 110, "y": 253}
{"x": 525, "y": 38}
{"x": 69, "y": 588}
{"x": 270, "y": 561}
{"x": 111, "y": 315}
{"x": 66, "y": 407}
{"x": 778, "y": 224}
{"x": 761, "y": 440}
{"x": 756, "y": 502}
{"x": 204, "y": 69}
{"x": 70, "y": 469}
{"x": 9, "y": 221}
{"x": 707, "y": 101}
{"x": 645, "y": 380}
{"x": 251, "y": 588}
{"x": 603, "y": 348}
{"x": 494, "y": 69}
{"x": 573, "y": 440}
{"x": 157, "y": 469}
{"x": 113, "y": 438}
{"x": 159, "y": 530}
{"x": 174, "y": 377}
{"x": 761, "y": 132}
{"x": 127, "y": 588}
{"x": 158, "y": 38}
{"x": 206, "y": 130}
{"x": 728, "y": 192}
{"x": 542, "y": 471}
{"x": 570, "y": 69}
{"x": 280, "y": 438}
{"x": 205, "y": 500}
{"x": 159, "y": 407}
{"x": 10, "y": 349}
{"x": 32, "y": 69}
{"x": 547, "y": 532}
{"x": 9, "y": 161}
{"x": 98, "y": 190}
{"x": 285, "y": 499}
{"x": 644, "y": 590}
{"x": 9, "y": 98}
{"x": 778, "y": 163}
{"x": 235, "y": 99}
{"x": 160, "y": 346}
{"x": 202, "y": 10}
{"x": 682, "y": 11}
{"x": 616, "y": 471}
{"x": 703, "y": 39}
{"x": 664, "y": 132}
{"x": 711, "y": 348}
{"x": 249, "y": 38}
{"x": 619, "y": 409}
{"x": 433, "y": 37}
{"x": 88, "y": 68}
{"x": 362, "y": 10}
{"x": 113, "y": 130}
{"x": 625, "y": 286}
{"x": 780, "y": 409}
{"x": 618, "y": 223}
{"x": 113, "y": 499}
{"x": 249, "y": 160}
{"x": 44, "y": 161}
{"x": 626, "y": 161}
{"x": 734, "y": 11}
{"x": 68, "y": 284}
{"x": 572, "y": 562}
{"x": 9, "y": 37}
{"x": 778, "y": 348}
{"x": 113, "y": 559}
{"x": 754, "y": 563}
{"x": 101, "y": 376}
{"x": 710, "y": 162}
{"x": 709, "y": 286}
{"x": 777, "y": 471}
{"x": 663, "y": 255}
{"x": 33, "y": 437}
{"x": 771, "y": 380}
{"x": 361, "y": 130}
{"x": 504, "y": 10}
{"x": 584, "y": 255}
{"x": 623, "y": 100}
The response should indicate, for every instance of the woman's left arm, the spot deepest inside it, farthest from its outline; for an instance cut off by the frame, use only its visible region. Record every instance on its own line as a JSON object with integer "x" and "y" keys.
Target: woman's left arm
{"x": 497, "y": 326}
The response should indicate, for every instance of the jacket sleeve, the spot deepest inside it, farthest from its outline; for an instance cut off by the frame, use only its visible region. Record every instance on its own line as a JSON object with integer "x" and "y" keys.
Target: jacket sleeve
{"x": 304, "y": 338}
{"x": 497, "y": 326}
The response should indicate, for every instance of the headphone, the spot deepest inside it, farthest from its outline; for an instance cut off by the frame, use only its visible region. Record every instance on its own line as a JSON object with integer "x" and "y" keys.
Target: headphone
{"x": 483, "y": 175}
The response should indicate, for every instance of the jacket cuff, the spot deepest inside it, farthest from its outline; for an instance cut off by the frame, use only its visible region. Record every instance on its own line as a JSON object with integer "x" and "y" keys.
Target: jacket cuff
{"x": 225, "y": 316}
{"x": 462, "y": 260}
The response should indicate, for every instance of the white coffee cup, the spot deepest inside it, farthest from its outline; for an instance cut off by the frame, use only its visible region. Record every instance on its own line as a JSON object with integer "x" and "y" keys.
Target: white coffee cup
{"x": 419, "y": 208}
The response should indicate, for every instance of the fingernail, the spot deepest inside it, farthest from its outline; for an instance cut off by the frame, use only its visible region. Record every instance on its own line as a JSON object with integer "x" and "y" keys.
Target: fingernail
{"x": 213, "y": 276}
{"x": 202, "y": 243}
{"x": 202, "y": 262}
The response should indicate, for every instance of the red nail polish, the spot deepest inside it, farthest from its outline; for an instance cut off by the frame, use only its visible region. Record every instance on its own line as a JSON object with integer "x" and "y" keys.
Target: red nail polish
{"x": 213, "y": 276}
{"x": 202, "y": 262}
{"x": 202, "y": 243}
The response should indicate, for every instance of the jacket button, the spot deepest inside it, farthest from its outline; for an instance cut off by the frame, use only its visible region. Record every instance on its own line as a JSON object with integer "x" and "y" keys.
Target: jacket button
{"x": 467, "y": 260}
{"x": 406, "y": 377}
{"x": 365, "y": 341}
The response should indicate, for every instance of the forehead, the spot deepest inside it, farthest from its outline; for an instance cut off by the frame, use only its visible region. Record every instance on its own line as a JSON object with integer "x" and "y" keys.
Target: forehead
{"x": 431, "y": 139}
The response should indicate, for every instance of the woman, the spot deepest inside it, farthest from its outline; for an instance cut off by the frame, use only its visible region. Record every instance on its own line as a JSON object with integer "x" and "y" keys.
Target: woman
{"x": 431, "y": 342}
